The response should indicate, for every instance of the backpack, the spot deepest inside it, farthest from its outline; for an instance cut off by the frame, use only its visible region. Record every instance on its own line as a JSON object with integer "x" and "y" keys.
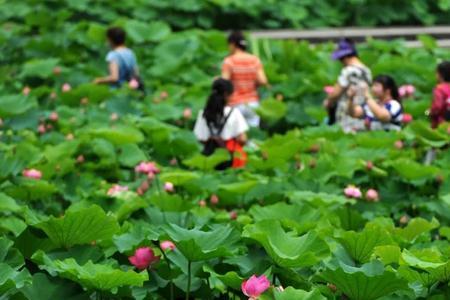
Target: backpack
{"x": 215, "y": 142}
{"x": 131, "y": 74}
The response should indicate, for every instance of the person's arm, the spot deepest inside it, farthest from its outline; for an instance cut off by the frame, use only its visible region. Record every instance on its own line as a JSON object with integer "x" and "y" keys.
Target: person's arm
{"x": 355, "y": 111}
{"x": 337, "y": 92}
{"x": 226, "y": 70}
{"x": 261, "y": 78}
{"x": 380, "y": 112}
{"x": 113, "y": 74}
{"x": 334, "y": 96}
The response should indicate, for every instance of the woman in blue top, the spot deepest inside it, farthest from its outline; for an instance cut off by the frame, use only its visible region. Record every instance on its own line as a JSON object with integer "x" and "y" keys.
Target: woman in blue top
{"x": 122, "y": 61}
{"x": 386, "y": 112}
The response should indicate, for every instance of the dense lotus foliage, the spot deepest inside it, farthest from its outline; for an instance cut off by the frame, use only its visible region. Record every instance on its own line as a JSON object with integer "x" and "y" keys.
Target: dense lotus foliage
{"x": 104, "y": 193}
{"x": 232, "y": 14}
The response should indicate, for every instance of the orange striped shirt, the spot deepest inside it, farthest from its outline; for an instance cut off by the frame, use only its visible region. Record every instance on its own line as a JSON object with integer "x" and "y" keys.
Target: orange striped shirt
{"x": 243, "y": 70}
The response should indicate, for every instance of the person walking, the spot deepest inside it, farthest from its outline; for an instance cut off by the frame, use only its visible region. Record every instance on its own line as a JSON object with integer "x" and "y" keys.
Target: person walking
{"x": 355, "y": 75}
{"x": 246, "y": 72}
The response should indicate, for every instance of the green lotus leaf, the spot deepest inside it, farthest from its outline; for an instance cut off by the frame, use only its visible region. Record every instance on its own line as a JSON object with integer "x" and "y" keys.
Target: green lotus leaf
{"x": 8, "y": 204}
{"x": 31, "y": 189}
{"x": 369, "y": 282}
{"x": 413, "y": 171}
{"x": 172, "y": 203}
{"x": 14, "y": 105}
{"x": 415, "y": 228}
{"x": 130, "y": 155}
{"x": 11, "y": 279}
{"x": 90, "y": 275}
{"x": 427, "y": 135}
{"x": 388, "y": 254}
{"x": 317, "y": 199}
{"x": 207, "y": 163}
{"x": 142, "y": 32}
{"x": 80, "y": 226}
{"x": 118, "y": 135}
{"x": 302, "y": 218}
{"x": 137, "y": 234}
{"x": 198, "y": 245}
{"x": 39, "y": 67}
{"x": 292, "y": 293}
{"x": 286, "y": 249}
{"x": 179, "y": 177}
{"x": 94, "y": 93}
{"x": 45, "y": 288}
{"x": 272, "y": 110}
{"x": 361, "y": 245}
{"x": 12, "y": 275}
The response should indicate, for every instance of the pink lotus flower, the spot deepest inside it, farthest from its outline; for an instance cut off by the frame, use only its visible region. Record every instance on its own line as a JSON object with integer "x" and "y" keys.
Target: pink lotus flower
{"x": 80, "y": 159}
{"x": 147, "y": 168}
{"x": 66, "y": 87}
{"x": 372, "y": 195}
{"x": 32, "y": 173}
{"x": 49, "y": 126}
{"x": 41, "y": 129}
{"x": 369, "y": 165}
{"x": 70, "y": 137}
{"x": 167, "y": 245}
{"x": 406, "y": 91}
{"x": 54, "y": 116}
{"x": 133, "y": 84}
{"x": 151, "y": 176}
{"x": 352, "y": 191}
{"x": 329, "y": 89}
{"x": 116, "y": 189}
{"x": 187, "y": 113}
{"x": 214, "y": 199}
{"x": 255, "y": 286}
{"x": 407, "y": 118}
{"x": 26, "y": 90}
{"x": 169, "y": 187}
{"x": 398, "y": 144}
{"x": 143, "y": 258}
{"x": 114, "y": 117}
{"x": 202, "y": 203}
{"x": 233, "y": 215}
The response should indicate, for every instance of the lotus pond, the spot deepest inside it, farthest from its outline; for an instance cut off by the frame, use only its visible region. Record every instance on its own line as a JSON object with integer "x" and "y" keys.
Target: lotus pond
{"x": 104, "y": 195}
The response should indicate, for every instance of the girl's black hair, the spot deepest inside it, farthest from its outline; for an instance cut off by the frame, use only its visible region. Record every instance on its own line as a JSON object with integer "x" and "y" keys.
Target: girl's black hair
{"x": 116, "y": 35}
{"x": 444, "y": 70}
{"x": 217, "y": 100}
{"x": 388, "y": 83}
{"x": 237, "y": 38}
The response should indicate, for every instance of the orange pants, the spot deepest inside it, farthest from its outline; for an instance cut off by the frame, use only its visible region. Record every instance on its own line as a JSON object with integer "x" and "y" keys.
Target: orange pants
{"x": 239, "y": 155}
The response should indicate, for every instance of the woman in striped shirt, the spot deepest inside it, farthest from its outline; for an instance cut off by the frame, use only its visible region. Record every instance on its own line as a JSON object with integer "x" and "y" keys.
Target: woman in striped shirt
{"x": 386, "y": 112}
{"x": 246, "y": 73}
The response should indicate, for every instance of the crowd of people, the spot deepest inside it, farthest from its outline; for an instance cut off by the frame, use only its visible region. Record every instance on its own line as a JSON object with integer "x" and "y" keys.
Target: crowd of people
{"x": 356, "y": 102}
